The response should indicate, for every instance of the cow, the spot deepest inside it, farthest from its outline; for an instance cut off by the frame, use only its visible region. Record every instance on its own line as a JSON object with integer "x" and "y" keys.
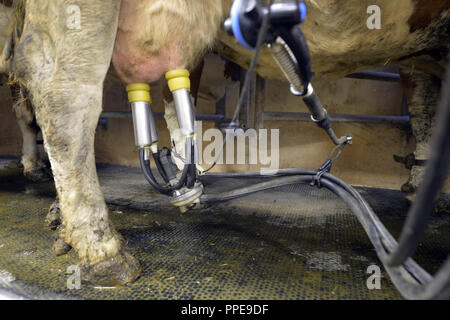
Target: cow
{"x": 63, "y": 64}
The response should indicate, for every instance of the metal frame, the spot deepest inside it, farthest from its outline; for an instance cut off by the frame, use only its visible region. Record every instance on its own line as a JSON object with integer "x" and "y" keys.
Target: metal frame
{"x": 253, "y": 114}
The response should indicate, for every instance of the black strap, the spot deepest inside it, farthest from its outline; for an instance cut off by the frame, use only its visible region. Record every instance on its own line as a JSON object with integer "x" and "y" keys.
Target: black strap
{"x": 326, "y": 166}
{"x": 409, "y": 161}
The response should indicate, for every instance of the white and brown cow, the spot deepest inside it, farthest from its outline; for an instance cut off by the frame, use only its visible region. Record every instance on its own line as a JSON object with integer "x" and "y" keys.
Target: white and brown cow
{"x": 64, "y": 68}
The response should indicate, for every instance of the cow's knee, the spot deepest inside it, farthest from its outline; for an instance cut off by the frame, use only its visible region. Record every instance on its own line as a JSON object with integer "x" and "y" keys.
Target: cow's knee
{"x": 34, "y": 60}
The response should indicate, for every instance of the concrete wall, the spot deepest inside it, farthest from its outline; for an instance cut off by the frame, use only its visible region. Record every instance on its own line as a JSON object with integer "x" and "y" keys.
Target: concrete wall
{"x": 368, "y": 162}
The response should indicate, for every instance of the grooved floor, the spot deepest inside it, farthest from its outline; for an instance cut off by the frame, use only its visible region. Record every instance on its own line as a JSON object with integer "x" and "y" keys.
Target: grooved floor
{"x": 294, "y": 242}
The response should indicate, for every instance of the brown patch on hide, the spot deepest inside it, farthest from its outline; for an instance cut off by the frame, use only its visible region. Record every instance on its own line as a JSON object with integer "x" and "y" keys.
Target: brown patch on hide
{"x": 7, "y": 3}
{"x": 425, "y": 12}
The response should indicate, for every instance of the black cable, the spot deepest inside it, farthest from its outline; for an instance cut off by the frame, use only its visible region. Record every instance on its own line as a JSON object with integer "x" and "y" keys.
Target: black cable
{"x": 160, "y": 167}
{"x": 406, "y": 276}
{"x": 246, "y": 86}
{"x": 192, "y": 175}
{"x": 412, "y": 281}
{"x": 146, "y": 169}
{"x": 387, "y": 240}
{"x": 236, "y": 193}
{"x": 393, "y": 255}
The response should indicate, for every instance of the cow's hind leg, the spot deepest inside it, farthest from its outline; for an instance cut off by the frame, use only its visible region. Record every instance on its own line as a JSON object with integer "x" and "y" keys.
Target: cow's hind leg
{"x": 33, "y": 168}
{"x": 64, "y": 68}
{"x": 422, "y": 92}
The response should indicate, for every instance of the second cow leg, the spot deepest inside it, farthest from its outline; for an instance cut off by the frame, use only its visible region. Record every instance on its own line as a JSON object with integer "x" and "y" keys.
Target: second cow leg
{"x": 33, "y": 168}
{"x": 422, "y": 92}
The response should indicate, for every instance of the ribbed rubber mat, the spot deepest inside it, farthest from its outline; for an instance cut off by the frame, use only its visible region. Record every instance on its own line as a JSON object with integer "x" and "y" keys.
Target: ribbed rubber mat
{"x": 294, "y": 242}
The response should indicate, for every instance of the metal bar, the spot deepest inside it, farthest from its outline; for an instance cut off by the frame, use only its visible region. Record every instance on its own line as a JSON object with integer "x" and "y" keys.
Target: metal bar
{"x": 251, "y": 104}
{"x": 221, "y": 105}
{"x": 303, "y": 116}
{"x": 405, "y": 109}
{"x": 375, "y": 75}
{"x": 249, "y": 97}
{"x": 260, "y": 102}
{"x": 209, "y": 116}
{"x": 127, "y": 114}
{"x": 280, "y": 116}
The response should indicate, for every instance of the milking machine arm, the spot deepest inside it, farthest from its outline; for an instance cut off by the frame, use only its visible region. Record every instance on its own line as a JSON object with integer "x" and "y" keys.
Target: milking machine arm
{"x": 287, "y": 45}
{"x": 254, "y": 24}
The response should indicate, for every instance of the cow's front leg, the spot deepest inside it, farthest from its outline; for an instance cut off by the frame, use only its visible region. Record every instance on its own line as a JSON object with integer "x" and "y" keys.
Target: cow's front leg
{"x": 64, "y": 68}
{"x": 87, "y": 227}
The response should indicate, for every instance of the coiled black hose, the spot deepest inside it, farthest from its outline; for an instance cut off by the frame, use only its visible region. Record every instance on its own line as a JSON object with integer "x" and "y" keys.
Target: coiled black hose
{"x": 192, "y": 175}
{"x": 160, "y": 167}
{"x": 148, "y": 174}
{"x": 187, "y": 170}
{"x": 412, "y": 281}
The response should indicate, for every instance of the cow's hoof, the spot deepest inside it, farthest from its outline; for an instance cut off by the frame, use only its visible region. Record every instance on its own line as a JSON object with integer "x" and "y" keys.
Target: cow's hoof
{"x": 53, "y": 219}
{"x": 38, "y": 174}
{"x": 14, "y": 165}
{"x": 440, "y": 206}
{"x": 410, "y": 197}
{"x": 410, "y": 192}
{"x": 115, "y": 271}
{"x": 408, "y": 188}
{"x": 60, "y": 247}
